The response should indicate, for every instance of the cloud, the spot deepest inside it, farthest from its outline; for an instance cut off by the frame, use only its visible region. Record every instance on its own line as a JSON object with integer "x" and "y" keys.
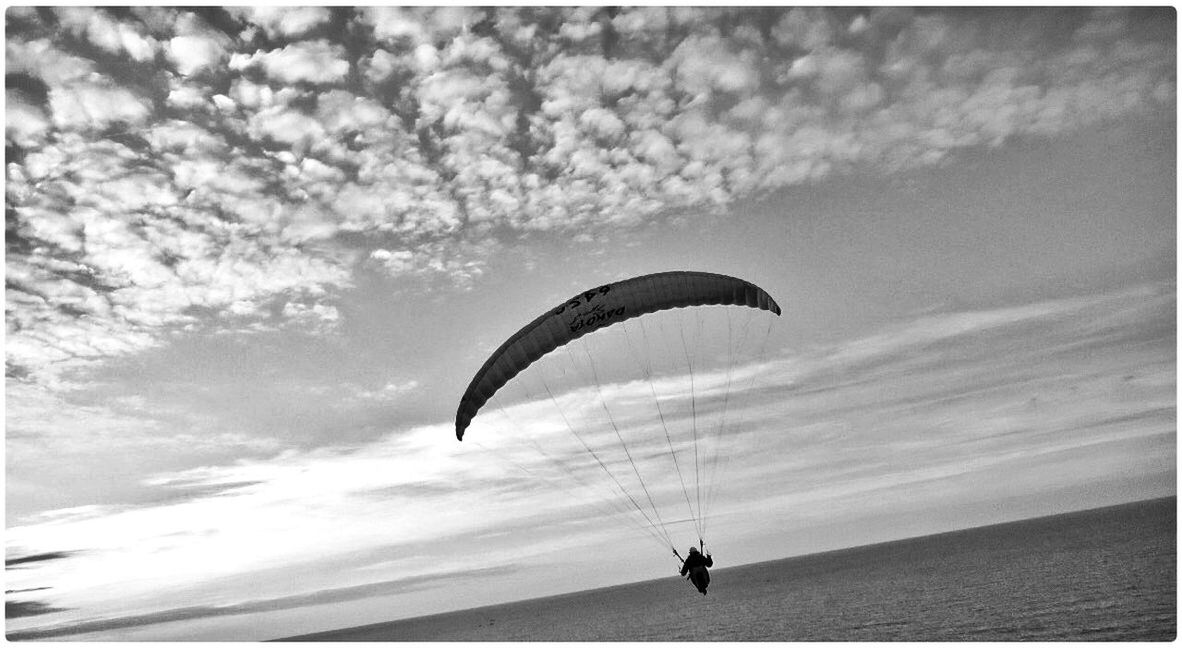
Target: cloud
{"x": 87, "y": 105}
{"x": 111, "y": 35}
{"x": 462, "y": 265}
{"x": 86, "y": 437}
{"x": 53, "y": 555}
{"x": 25, "y": 122}
{"x": 42, "y": 60}
{"x": 285, "y": 125}
{"x": 192, "y": 53}
{"x": 390, "y": 391}
{"x": 229, "y": 518}
{"x": 950, "y": 399}
{"x": 286, "y": 22}
{"x": 1073, "y": 389}
{"x": 306, "y": 61}
{"x": 342, "y": 112}
{"x": 198, "y": 49}
{"x": 18, "y": 609}
{"x": 442, "y": 128}
{"x": 336, "y": 595}
{"x": 137, "y": 278}
{"x": 418, "y": 24}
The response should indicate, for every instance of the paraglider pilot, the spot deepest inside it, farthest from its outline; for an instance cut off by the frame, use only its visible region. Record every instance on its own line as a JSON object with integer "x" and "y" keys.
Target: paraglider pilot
{"x": 695, "y": 565}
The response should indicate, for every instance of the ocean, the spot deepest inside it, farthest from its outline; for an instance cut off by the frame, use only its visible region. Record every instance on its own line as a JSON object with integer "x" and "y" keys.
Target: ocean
{"x": 1098, "y": 575}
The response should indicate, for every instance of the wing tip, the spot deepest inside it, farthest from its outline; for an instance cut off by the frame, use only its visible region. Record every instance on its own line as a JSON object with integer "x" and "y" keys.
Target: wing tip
{"x": 461, "y": 425}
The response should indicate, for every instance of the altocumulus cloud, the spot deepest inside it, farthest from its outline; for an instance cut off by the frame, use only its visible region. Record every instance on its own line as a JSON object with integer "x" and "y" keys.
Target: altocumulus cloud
{"x": 174, "y": 170}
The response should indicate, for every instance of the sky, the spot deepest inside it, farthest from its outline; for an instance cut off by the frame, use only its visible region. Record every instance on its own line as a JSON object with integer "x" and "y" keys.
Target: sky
{"x": 254, "y": 256}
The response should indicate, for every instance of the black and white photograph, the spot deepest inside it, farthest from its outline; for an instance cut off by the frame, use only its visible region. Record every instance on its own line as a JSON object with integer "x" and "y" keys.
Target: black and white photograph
{"x": 589, "y": 323}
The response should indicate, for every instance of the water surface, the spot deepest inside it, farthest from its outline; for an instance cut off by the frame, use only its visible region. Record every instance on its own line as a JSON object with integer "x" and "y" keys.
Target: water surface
{"x": 1104, "y": 574}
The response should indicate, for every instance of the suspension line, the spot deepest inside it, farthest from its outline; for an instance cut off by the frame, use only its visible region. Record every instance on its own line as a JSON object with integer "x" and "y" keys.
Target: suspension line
{"x": 646, "y": 368}
{"x": 627, "y": 453}
{"x": 616, "y": 507}
{"x": 693, "y": 421}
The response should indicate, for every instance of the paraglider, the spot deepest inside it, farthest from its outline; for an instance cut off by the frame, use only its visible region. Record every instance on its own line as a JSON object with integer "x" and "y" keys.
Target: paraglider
{"x": 681, "y": 408}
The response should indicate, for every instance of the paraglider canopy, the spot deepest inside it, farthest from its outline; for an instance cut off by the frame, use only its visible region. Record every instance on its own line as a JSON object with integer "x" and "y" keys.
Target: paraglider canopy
{"x": 598, "y": 308}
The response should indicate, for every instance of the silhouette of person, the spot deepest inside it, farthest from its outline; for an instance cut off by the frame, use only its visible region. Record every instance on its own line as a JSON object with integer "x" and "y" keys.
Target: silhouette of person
{"x": 695, "y": 565}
